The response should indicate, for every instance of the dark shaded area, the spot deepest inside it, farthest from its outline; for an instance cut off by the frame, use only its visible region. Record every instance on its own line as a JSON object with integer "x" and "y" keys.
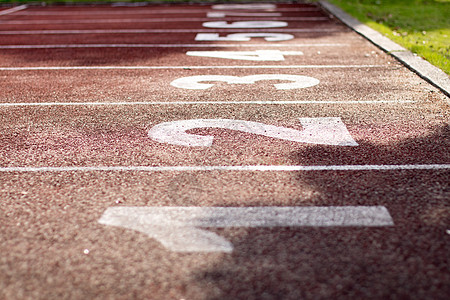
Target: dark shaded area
{"x": 407, "y": 261}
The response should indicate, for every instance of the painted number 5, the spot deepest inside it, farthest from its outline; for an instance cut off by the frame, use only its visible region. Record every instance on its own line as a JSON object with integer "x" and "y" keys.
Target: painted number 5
{"x": 194, "y": 82}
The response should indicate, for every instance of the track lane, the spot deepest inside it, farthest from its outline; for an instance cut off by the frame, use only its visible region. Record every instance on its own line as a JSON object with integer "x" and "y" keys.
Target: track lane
{"x": 52, "y": 240}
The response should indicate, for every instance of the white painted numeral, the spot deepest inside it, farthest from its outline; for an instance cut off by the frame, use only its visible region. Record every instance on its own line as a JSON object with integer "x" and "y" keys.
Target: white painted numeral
{"x": 223, "y": 14}
{"x": 322, "y": 131}
{"x": 182, "y": 229}
{"x": 193, "y": 82}
{"x": 250, "y": 6}
{"x": 257, "y": 55}
{"x": 245, "y": 24}
{"x": 244, "y": 37}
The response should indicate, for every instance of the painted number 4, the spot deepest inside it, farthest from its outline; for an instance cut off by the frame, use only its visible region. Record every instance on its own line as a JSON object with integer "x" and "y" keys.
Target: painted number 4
{"x": 257, "y": 55}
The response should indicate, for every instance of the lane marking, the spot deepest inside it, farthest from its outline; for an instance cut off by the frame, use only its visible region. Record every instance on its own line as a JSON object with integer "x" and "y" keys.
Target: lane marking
{"x": 201, "y": 103}
{"x": 244, "y": 168}
{"x": 164, "y": 46}
{"x": 193, "y": 82}
{"x": 321, "y": 131}
{"x": 13, "y": 10}
{"x": 178, "y": 228}
{"x": 143, "y": 11}
{"x": 109, "y": 31}
{"x": 149, "y": 20}
{"x": 191, "y": 67}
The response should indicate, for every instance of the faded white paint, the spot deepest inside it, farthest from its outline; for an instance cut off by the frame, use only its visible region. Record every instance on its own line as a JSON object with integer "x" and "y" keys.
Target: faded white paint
{"x": 193, "y": 82}
{"x": 164, "y": 20}
{"x": 245, "y": 24}
{"x": 143, "y": 11}
{"x": 177, "y": 228}
{"x": 135, "y": 31}
{"x": 248, "y": 6}
{"x": 242, "y": 168}
{"x": 256, "y": 102}
{"x": 244, "y": 37}
{"x": 223, "y": 14}
{"x": 322, "y": 131}
{"x": 13, "y": 10}
{"x": 56, "y": 46}
{"x": 257, "y": 55}
{"x": 191, "y": 67}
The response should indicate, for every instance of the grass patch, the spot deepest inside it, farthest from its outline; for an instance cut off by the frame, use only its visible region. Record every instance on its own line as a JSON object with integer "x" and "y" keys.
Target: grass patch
{"x": 421, "y": 26}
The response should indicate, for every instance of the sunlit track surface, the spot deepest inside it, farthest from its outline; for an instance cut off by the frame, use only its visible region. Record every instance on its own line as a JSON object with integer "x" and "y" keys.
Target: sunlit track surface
{"x": 228, "y": 151}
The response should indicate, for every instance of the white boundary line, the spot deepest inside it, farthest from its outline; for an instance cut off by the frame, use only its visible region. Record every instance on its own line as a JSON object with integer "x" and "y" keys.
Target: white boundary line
{"x": 214, "y": 30}
{"x": 249, "y": 168}
{"x": 141, "y": 11}
{"x": 157, "y": 20}
{"x": 165, "y": 46}
{"x": 43, "y": 104}
{"x": 13, "y": 10}
{"x": 190, "y": 67}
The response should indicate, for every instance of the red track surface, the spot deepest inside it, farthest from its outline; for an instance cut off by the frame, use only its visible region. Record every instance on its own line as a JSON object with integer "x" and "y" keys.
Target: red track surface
{"x": 51, "y": 241}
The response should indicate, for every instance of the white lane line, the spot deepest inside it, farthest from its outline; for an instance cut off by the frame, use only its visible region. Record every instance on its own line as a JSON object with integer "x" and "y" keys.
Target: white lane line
{"x": 165, "y": 46}
{"x": 152, "y": 20}
{"x": 13, "y": 10}
{"x": 190, "y": 67}
{"x": 134, "y": 31}
{"x": 142, "y": 11}
{"x": 178, "y": 228}
{"x": 44, "y": 104}
{"x": 248, "y": 168}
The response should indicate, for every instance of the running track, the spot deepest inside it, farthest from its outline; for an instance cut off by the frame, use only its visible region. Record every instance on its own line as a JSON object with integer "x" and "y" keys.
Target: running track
{"x": 216, "y": 152}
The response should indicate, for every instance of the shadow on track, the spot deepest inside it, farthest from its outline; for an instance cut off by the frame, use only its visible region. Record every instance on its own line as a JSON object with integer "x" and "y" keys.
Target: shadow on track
{"x": 407, "y": 260}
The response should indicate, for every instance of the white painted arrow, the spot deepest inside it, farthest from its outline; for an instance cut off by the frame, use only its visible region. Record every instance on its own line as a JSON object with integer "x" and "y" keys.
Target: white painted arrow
{"x": 324, "y": 131}
{"x": 176, "y": 228}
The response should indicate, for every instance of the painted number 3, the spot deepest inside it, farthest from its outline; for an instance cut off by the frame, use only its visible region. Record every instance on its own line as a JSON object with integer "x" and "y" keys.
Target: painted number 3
{"x": 194, "y": 82}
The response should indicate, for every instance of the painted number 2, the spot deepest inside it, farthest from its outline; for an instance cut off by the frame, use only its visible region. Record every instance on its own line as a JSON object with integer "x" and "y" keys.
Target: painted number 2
{"x": 321, "y": 131}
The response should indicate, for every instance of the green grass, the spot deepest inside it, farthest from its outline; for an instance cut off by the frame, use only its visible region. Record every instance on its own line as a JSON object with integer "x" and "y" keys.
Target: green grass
{"x": 421, "y": 26}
